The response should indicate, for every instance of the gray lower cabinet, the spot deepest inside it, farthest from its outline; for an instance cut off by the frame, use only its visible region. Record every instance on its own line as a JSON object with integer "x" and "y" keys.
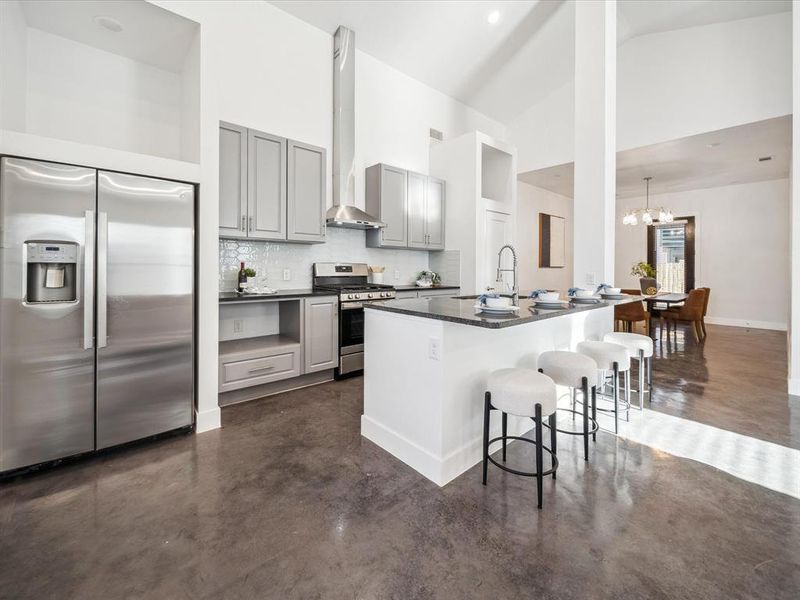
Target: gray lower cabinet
{"x": 270, "y": 188}
{"x": 232, "y": 181}
{"x": 306, "y": 193}
{"x": 387, "y": 200}
{"x": 321, "y": 333}
{"x": 411, "y": 204}
{"x": 266, "y": 186}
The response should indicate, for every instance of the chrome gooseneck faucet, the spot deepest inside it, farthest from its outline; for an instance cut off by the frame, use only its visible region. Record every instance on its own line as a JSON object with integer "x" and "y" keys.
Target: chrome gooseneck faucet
{"x": 501, "y": 270}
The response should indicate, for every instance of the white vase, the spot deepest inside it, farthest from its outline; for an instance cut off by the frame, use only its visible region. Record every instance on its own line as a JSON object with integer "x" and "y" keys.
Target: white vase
{"x": 377, "y": 278}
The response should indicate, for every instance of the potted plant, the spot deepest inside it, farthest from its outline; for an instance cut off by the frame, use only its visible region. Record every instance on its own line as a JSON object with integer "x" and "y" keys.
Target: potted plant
{"x": 428, "y": 279}
{"x": 647, "y": 277}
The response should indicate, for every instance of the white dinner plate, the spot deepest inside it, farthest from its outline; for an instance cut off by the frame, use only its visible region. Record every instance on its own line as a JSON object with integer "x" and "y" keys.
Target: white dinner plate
{"x": 543, "y": 304}
{"x": 614, "y": 296}
{"x": 585, "y": 299}
{"x": 499, "y": 310}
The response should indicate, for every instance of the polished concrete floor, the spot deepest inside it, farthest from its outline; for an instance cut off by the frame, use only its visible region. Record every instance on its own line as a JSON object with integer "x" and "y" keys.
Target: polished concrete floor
{"x": 288, "y": 501}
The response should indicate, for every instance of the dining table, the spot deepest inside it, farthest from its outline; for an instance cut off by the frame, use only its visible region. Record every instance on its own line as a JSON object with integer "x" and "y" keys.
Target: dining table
{"x": 668, "y": 298}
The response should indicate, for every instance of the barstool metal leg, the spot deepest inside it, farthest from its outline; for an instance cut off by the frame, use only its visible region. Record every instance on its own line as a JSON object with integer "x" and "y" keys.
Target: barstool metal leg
{"x": 539, "y": 462}
{"x": 487, "y": 407}
{"x": 628, "y": 394}
{"x": 552, "y": 423}
{"x": 642, "y": 366}
{"x": 585, "y": 388}
{"x": 594, "y": 410}
{"x": 505, "y": 433}
{"x": 616, "y": 397}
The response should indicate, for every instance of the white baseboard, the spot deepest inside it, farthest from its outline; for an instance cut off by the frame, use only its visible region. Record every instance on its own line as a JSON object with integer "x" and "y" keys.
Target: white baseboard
{"x": 794, "y": 386}
{"x": 439, "y": 470}
{"x": 748, "y": 324}
{"x": 207, "y": 420}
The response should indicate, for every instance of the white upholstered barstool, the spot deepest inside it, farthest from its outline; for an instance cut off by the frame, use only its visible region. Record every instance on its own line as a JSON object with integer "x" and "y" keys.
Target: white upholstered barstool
{"x": 575, "y": 371}
{"x": 612, "y": 358}
{"x": 639, "y": 347}
{"x": 522, "y": 393}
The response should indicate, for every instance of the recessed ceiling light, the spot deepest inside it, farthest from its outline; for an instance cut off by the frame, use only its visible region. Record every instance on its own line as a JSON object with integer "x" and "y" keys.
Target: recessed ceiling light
{"x": 109, "y": 23}
{"x": 493, "y": 17}
{"x": 712, "y": 145}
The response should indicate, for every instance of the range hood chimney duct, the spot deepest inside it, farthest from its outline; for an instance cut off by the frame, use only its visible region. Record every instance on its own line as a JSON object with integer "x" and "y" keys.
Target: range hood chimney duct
{"x": 344, "y": 212}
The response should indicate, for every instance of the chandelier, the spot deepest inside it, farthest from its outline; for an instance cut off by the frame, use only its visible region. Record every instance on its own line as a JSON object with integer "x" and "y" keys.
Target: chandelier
{"x": 647, "y": 215}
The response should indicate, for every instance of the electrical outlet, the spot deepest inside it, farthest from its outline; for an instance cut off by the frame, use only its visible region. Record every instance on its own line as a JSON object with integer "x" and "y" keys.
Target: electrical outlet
{"x": 396, "y": 274}
{"x": 238, "y": 326}
{"x": 287, "y": 275}
{"x": 590, "y": 278}
{"x": 434, "y": 348}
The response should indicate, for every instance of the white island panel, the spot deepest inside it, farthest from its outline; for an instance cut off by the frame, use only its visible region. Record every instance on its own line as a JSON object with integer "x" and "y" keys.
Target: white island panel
{"x": 428, "y": 411}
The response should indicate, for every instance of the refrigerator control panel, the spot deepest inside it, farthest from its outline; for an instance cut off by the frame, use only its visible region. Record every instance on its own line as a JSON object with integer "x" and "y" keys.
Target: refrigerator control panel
{"x": 52, "y": 252}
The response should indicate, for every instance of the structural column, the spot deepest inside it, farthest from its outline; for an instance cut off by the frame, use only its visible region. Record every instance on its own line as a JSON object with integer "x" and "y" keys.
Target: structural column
{"x": 595, "y": 140}
{"x": 794, "y": 317}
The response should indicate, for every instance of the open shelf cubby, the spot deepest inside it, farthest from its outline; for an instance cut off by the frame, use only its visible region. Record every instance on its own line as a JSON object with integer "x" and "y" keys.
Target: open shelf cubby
{"x": 246, "y": 326}
{"x": 497, "y": 174}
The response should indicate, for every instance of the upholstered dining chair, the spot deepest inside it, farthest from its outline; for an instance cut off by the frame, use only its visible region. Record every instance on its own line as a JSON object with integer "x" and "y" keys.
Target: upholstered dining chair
{"x": 627, "y": 314}
{"x": 690, "y": 312}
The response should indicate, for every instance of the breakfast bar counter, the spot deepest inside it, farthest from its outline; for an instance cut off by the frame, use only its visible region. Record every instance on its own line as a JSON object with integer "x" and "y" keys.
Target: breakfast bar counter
{"x": 426, "y": 365}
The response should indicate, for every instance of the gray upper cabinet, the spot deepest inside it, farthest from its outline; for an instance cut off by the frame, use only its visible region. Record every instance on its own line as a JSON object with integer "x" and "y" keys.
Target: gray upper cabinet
{"x": 266, "y": 186}
{"x": 321, "y": 333}
{"x": 232, "y": 181}
{"x": 387, "y": 200}
{"x": 417, "y": 193}
{"x": 270, "y": 188}
{"x": 306, "y": 193}
{"x": 434, "y": 213}
{"x": 412, "y": 206}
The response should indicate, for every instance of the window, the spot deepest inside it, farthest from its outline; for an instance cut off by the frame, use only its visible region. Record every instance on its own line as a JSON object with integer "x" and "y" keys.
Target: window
{"x": 670, "y": 249}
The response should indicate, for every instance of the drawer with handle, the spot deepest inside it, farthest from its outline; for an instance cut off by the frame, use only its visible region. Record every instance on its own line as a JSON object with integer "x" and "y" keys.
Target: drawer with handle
{"x": 255, "y": 371}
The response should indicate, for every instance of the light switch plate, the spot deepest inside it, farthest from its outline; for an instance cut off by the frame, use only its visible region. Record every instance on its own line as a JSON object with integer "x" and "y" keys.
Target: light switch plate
{"x": 396, "y": 274}
{"x": 238, "y": 326}
{"x": 287, "y": 275}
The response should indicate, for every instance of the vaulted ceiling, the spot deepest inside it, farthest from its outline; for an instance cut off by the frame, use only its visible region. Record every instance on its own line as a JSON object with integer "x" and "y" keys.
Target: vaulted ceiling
{"x": 504, "y": 68}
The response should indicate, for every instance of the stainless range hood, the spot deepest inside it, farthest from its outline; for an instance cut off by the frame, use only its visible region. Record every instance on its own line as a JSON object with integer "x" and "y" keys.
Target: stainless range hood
{"x": 344, "y": 212}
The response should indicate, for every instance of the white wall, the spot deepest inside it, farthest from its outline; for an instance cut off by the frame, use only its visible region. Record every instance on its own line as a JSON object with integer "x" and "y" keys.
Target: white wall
{"x": 672, "y": 85}
{"x": 77, "y": 92}
{"x": 531, "y": 201}
{"x": 741, "y": 245}
{"x": 13, "y": 60}
{"x": 794, "y": 331}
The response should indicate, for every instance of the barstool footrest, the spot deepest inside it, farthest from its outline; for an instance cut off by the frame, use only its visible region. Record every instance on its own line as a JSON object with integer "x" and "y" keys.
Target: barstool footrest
{"x": 550, "y": 471}
{"x": 593, "y": 429}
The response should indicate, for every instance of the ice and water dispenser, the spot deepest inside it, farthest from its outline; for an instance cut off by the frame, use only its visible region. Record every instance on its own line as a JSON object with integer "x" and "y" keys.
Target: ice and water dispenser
{"x": 51, "y": 271}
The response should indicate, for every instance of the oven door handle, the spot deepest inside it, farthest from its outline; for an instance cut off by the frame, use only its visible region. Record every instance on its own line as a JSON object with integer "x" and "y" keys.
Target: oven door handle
{"x": 351, "y": 305}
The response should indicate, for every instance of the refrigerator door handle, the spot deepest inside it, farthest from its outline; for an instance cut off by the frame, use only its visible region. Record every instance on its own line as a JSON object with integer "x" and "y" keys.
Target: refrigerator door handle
{"x": 88, "y": 282}
{"x": 102, "y": 283}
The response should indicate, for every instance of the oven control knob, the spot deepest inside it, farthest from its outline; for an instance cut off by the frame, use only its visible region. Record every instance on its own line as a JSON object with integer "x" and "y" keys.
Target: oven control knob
{"x": 383, "y": 295}
{"x": 349, "y": 296}
{"x": 369, "y": 295}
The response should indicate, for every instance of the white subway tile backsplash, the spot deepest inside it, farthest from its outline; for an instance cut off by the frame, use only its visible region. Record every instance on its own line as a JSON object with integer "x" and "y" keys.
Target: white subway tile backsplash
{"x": 270, "y": 259}
{"x": 447, "y": 264}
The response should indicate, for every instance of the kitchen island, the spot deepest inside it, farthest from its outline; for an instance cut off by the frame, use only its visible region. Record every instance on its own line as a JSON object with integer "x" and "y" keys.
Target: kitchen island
{"x": 426, "y": 365}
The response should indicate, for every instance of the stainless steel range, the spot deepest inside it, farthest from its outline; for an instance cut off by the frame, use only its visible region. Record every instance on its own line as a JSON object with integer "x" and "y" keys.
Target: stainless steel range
{"x": 351, "y": 282}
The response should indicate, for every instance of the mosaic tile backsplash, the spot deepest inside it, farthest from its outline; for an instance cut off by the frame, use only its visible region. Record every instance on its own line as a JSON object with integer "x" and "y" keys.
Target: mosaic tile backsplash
{"x": 269, "y": 259}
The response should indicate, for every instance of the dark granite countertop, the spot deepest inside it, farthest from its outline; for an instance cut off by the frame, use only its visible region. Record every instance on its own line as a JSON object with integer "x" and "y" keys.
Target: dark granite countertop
{"x": 278, "y": 295}
{"x": 461, "y": 310}
{"x": 417, "y": 288}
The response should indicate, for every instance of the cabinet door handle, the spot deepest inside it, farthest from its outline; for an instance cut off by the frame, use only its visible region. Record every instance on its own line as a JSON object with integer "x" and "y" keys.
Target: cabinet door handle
{"x": 258, "y": 369}
{"x": 244, "y": 223}
{"x": 251, "y": 224}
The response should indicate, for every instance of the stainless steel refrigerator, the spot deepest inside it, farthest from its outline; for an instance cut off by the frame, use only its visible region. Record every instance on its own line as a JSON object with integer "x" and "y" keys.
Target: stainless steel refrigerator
{"x": 96, "y": 309}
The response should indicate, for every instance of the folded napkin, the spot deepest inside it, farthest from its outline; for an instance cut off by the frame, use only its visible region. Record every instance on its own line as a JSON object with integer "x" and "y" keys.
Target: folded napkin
{"x": 535, "y": 293}
{"x": 602, "y": 287}
{"x": 482, "y": 298}
{"x": 573, "y": 291}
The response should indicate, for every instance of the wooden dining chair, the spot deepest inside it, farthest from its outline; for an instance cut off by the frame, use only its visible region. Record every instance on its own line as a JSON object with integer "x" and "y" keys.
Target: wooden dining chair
{"x": 705, "y": 310}
{"x": 690, "y": 312}
{"x": 633, "y": 312}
